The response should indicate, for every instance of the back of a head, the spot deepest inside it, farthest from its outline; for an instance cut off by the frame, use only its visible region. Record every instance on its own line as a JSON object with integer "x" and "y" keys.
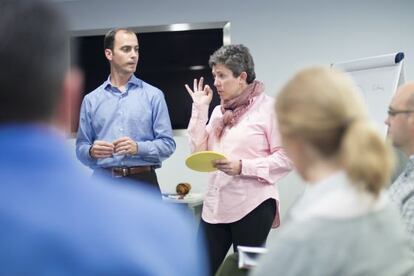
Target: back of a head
{"x": 324, "y": 108}
{"x": 33, "y": 58}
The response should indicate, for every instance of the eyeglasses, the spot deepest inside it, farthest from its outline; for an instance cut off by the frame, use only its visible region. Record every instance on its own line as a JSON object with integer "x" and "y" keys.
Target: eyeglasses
{"x": 392, "y": 112}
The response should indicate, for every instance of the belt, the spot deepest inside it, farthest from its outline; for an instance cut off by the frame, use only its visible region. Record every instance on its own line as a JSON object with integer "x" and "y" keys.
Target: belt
{"x": 125, "y": 171}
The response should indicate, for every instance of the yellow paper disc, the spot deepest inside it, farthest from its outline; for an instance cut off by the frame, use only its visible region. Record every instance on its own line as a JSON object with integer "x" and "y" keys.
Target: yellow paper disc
{"x": 202, "y": 161}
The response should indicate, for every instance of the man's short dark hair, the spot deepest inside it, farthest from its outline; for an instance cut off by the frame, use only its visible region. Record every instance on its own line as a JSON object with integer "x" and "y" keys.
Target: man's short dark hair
{"x": 109, "y": 39}
{"x": 33, "y": 59}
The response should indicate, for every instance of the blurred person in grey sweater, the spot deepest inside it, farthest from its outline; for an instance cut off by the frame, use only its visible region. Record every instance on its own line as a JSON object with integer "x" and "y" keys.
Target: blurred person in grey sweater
{"x": 400, "y": 124}
{"x": 344, "y": 223}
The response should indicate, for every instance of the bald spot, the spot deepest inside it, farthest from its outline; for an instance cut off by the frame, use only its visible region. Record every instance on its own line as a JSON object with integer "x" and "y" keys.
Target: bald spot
{"x": 405, "y": 94}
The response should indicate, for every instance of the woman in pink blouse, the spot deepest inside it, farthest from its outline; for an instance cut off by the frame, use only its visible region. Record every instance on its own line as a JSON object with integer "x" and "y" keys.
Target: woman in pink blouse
{"x": 241, "y": 202}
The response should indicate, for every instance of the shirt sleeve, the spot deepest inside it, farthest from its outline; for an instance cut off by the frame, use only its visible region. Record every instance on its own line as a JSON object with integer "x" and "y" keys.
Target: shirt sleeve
{"x": 407, "y": 214}
{"x": 85, "y": 136}
{"x": 163, "y": 144}
{"x": 273, "y": 167}
{"x": 198, "y": 131}
{"x": 267, "y": 169}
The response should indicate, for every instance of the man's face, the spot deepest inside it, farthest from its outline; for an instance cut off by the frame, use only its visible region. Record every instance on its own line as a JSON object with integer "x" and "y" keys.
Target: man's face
{"x": 399, "y": 120}
{"x": 124, "y": 56}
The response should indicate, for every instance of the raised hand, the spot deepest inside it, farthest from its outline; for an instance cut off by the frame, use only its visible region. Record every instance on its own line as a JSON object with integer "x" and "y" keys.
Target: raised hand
{"x": 200, "y": 94}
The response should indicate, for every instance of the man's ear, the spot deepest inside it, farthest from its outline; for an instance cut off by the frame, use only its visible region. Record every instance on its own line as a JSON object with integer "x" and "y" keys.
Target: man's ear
{"x": 69, "y": 101}
{"x": 411, "y": 120}
{"x": 108, "y": 54}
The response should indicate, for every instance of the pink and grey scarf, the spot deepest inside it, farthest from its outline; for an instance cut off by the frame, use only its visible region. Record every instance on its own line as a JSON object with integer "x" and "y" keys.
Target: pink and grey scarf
{"x": 234, "y": 108}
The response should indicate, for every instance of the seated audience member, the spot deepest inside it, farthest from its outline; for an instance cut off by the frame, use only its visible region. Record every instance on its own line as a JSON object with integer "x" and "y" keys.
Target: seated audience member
{"x": 54, "y": 219}
{"x": 343, "y": 224}
{"x": 400, "y": 123}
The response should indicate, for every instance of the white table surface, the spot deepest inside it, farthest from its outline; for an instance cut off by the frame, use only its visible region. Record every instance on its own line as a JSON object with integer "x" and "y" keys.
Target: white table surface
{"x": 191, "y": 198}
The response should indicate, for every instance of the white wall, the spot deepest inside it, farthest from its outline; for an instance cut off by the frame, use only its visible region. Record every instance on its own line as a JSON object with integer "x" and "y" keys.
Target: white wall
{"x": 283, "y": 37}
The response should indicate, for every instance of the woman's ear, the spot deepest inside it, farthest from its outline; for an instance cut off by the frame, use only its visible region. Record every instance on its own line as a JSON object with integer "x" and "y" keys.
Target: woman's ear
{"x": 292, "y": 145}
{"x": 297, "y": 150}
{"x": 243, "y": 77}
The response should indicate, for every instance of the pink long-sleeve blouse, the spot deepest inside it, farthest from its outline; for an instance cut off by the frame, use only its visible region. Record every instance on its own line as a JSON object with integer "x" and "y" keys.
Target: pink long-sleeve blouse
{"x": 256, "y": 141}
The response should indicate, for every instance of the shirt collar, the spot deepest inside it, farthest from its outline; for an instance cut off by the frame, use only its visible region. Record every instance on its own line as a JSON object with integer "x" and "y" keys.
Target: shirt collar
{"x": 132, "y": 82}
{"x": 336, "y": 197}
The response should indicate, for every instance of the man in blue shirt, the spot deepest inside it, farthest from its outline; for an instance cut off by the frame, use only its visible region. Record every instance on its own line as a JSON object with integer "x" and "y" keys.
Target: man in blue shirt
{"x": 54, "y": 219}
{"x": 124, "y": 128}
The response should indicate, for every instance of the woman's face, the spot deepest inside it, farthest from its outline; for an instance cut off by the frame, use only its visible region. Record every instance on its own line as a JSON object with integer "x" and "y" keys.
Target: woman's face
{"x": 226, "y": 84}
{"x": 295, "y": 151}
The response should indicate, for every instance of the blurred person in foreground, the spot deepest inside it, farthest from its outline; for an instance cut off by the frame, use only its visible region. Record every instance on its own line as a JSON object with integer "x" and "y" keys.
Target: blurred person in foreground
{"x": 54, "y": 219}
{"x": 344, "y": 223}
{"x": 241, "y": 204}
{"x": 400, "y": 124}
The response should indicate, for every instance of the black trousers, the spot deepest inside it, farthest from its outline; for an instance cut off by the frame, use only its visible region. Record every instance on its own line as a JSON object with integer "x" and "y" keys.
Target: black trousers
{"x": 251, "y": 230}
{"x": 148, "y": 178}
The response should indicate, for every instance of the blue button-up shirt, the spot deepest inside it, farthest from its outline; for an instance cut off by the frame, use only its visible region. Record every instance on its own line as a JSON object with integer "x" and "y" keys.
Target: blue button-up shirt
{"x": 139, "y": 113}
{"x": 56, "y": 220}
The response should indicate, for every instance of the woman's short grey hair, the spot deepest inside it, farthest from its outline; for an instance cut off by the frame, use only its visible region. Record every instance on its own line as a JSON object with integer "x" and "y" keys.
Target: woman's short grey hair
{"x": 237, "y": 58}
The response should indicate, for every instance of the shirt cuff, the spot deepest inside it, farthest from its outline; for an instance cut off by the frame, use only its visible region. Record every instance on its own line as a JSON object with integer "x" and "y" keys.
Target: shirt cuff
{"x": 144, "y": 149}
{"x": 200, "y": 111}
{"x": 251, "y": 169}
